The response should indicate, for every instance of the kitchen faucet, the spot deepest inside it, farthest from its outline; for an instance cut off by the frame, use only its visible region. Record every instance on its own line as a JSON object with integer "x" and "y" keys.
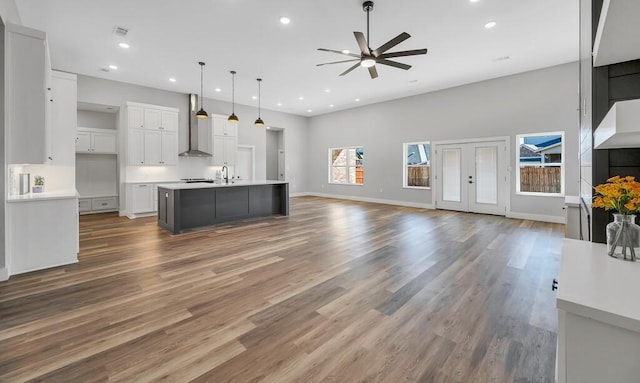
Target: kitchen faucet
{"x": 226, "y": 177}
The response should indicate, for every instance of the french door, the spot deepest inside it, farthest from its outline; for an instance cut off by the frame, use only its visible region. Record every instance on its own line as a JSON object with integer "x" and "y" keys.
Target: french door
{"x": 472, "y": 177}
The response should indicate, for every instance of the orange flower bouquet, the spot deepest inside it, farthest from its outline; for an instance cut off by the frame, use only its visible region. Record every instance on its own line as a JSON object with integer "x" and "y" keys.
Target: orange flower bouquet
{"x": 618, "y": 194}
{"x": 622, "y": 195}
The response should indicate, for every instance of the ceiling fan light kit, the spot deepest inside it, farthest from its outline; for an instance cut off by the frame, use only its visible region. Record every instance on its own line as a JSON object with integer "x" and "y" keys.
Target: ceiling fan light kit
{"x": 201, "y": 114}
{"x": 233, "y": 117}
{"x": 368, "y": 57}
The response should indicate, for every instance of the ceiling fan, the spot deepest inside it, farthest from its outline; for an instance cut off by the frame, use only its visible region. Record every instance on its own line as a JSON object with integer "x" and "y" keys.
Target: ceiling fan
{"x": 370, "y": 57}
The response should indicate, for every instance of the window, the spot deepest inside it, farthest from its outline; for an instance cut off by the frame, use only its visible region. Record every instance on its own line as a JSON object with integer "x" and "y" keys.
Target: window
{"x": 346, "y": 166}
{"x": 540, "y": 159}
{"x": 417, "y": 165}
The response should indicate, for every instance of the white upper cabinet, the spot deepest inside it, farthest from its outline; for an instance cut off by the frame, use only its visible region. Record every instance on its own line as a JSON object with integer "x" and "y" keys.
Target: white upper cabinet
{"x": 224, "y": 141}
{"x": 222, "y": 127}
{"x": 96, "y": 141}
{"x": 27, "y": 95}
{"x": 153, "y": 135}
{"x": 64, "y": 118}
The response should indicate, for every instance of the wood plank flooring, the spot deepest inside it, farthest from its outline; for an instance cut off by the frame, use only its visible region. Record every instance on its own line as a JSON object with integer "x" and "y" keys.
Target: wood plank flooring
{"x": 337, "y": 292}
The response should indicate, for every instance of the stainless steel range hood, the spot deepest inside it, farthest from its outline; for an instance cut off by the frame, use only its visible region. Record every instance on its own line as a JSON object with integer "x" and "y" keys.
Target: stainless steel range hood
{"x": 194, "y": 150}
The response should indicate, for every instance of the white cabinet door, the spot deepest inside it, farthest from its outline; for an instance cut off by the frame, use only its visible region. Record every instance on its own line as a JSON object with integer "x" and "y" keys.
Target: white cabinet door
{"x": 169, "y": 121}
{"x": 230, "y": 148}
{"x": 64, "y": 118}
{"x": 104, "y": 143}
{"x": 136, "y": 147}
{"x": 152, "y": 147}
{"x": 135, "y": 117}
{"x": 232, "y": 129}
{"x": 152, "y": 119}
{"x": 218, "y": 151}
{"x": 83, "y": 142}
{"x": 169, "y": 149}
{"x": 26, "y": 89}
{"x": 142, "y": 198}
{"x": 219, "y": 126}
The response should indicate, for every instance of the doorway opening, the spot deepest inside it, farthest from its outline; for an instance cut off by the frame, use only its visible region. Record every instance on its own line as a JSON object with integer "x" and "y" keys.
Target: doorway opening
{"x": 245, "y": 163}
{"x": 275, "y": 154}
{"x": 471, "y": 176}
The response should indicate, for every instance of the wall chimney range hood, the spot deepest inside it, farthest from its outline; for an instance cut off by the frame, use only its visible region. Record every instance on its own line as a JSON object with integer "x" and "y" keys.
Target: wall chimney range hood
{"x": 194, "y": 150}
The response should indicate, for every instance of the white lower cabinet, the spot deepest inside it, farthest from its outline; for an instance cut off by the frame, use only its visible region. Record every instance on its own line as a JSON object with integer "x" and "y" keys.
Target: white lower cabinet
{"x": 598, "y": 316}
{"x": 142, "y": 198}
{"x": 43, "y": 234}
{"x": 88, "y": 205}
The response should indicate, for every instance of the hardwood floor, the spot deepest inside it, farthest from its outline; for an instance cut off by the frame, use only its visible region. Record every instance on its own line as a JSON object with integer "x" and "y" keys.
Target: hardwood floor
{"x": 337, "y": 292}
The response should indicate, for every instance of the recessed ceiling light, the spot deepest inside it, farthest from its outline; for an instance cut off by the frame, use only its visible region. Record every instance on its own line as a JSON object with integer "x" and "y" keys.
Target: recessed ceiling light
{"x": 172, "y": 79}
{"x": 346, "y": 51}
{"x": 279, "y": 104}
{"x": 490, "y": 24}
{"x": 474, "y": 1}
{"x": 331, "y": 106}
{"x": 300, "y": 98}
{"x": 268, "y": 128}
{"x": 218, "y": 90}
{"x": 309, "y": 110}
{"x": 254, "y": 97}
{"x": 285, "y": 20}
{"x": 113, "y": 67}
{"x": 124, "y": 45}
{"x": 413, "y": 81}
{"x": 357, "y": 100}
{"x": 327, "y": 90}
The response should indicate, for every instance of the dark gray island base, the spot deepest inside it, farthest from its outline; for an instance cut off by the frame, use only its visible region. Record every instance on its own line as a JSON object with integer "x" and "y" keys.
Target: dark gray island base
{"x": 183, "y": 207}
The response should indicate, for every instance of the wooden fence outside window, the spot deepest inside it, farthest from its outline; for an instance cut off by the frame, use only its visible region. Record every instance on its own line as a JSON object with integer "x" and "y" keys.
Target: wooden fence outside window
{"x": 541, "y": 179}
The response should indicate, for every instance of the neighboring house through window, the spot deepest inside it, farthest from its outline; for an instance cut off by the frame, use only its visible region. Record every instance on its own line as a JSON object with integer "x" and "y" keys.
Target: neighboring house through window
{"x": 417, "y": 165}
{"x": 540, "y": 163}
{"x": 346, "y": 165}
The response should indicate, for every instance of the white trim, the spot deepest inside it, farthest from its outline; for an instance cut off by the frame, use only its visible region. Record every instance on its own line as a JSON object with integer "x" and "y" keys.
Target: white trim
{"x": 346, "y": 166}
{"x": 301, "y": 194}
{"x": 157, "y": 107}
{"x": 537, "y": 217}
{"x": 562, "y": 164}
{"x": 470, "y": 140}
{"x": 404, "y": 165}
{"x": 374, "y": 200}
{"x": 47, "y": 267}
{"x": 4, "y": 274}
{"x": 140, "y": 215}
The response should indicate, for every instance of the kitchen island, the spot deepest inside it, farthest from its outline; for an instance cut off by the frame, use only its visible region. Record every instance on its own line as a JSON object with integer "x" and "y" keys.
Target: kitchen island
{"x": 186, "y": 206}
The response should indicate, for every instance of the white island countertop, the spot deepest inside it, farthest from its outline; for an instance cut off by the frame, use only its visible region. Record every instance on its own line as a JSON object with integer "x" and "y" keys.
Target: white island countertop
{"x": 593, "y": 285}
{"x": 205, "y": 185}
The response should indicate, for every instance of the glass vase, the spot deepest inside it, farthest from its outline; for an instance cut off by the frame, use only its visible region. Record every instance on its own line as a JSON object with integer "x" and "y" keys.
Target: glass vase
{"x": 623, "y": 237}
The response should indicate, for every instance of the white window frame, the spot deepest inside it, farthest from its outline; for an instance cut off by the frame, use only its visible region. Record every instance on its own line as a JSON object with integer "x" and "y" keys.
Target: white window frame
{"x": 405, "y": 179}
{"x": 562, "y": 165}
{"x": 330, "y": 181}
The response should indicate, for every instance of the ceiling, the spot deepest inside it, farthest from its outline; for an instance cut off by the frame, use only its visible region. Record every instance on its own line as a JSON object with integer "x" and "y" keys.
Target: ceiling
{"x": 168, "y": 38}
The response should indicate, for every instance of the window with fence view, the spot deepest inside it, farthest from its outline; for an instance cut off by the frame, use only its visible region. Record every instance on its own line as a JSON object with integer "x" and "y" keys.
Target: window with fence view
{"x": 417, "y": 165}
{"x": 346, "y": 166}
{"x": 541, "y": 163}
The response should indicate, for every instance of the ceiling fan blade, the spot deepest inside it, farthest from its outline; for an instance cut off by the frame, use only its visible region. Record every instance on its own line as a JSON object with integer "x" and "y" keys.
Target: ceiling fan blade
{"x": 339, "y": 52}
{"x": 393, "y": 64}
{"x": 391, "y": 43}
{"x": 403, "y": 53}
{"x": 350, "y": 69}
{"x": 338, "y": 62}
{"x": 373, "y": 72}
{"x": 362, "y": 43}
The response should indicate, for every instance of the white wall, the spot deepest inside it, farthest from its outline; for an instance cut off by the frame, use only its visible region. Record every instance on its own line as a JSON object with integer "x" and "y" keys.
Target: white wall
{"x": 106, "y": 92}
{"x": 9, "y": 12}
{"x": 538, "y": 101}
{"x": 99, "y": 120}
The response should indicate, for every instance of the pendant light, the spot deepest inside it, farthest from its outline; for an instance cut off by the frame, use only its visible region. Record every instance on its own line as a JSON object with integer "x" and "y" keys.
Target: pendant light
{"x": 259, "y": 121}
{"x": 233, "y": 117}
{"x": 201, "y": 113}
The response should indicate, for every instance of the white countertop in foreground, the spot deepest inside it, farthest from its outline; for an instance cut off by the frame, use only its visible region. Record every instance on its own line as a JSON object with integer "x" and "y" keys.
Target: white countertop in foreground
{"x": 204, "y": 185}
{"x": 594, "y": 285}
{"x": 58, "y": 194}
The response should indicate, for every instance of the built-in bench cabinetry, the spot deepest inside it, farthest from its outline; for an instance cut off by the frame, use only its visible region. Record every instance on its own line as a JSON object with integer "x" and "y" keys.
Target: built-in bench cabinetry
{"x": 98, "y": 204}
{"x": 96, "y": 141}
{"x": 152, "y": 135}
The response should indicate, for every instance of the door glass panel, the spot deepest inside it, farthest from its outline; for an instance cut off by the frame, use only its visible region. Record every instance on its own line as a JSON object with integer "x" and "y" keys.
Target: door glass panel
{"x": 487, "y": 175}
{"x": 451, "y": 174}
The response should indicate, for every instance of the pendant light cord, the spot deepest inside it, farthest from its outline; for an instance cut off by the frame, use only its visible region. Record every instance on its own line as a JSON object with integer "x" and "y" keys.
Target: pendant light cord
{"x": 259, "y": 81}
{"x": 201, "y": 84}
{"x": 233, "y": 92}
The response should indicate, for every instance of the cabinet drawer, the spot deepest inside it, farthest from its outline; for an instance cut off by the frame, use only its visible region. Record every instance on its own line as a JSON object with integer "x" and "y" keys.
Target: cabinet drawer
{"x": 108, "y": 203}
{"x": 84, "y": 205}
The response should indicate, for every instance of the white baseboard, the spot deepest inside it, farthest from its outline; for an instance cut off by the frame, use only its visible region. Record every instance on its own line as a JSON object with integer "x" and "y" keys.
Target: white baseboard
{"x": 375, "y": 200}
{"x": 537, "y": 217}
{"x": 303, "y": 194}
{"x": 4, "y": 274}
{"x": 57, "y": 264}
{"x": 140, "y": 215}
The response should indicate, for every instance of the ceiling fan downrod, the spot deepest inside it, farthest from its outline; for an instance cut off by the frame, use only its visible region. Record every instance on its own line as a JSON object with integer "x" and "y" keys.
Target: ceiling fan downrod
{"x": 367, "y": 6}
